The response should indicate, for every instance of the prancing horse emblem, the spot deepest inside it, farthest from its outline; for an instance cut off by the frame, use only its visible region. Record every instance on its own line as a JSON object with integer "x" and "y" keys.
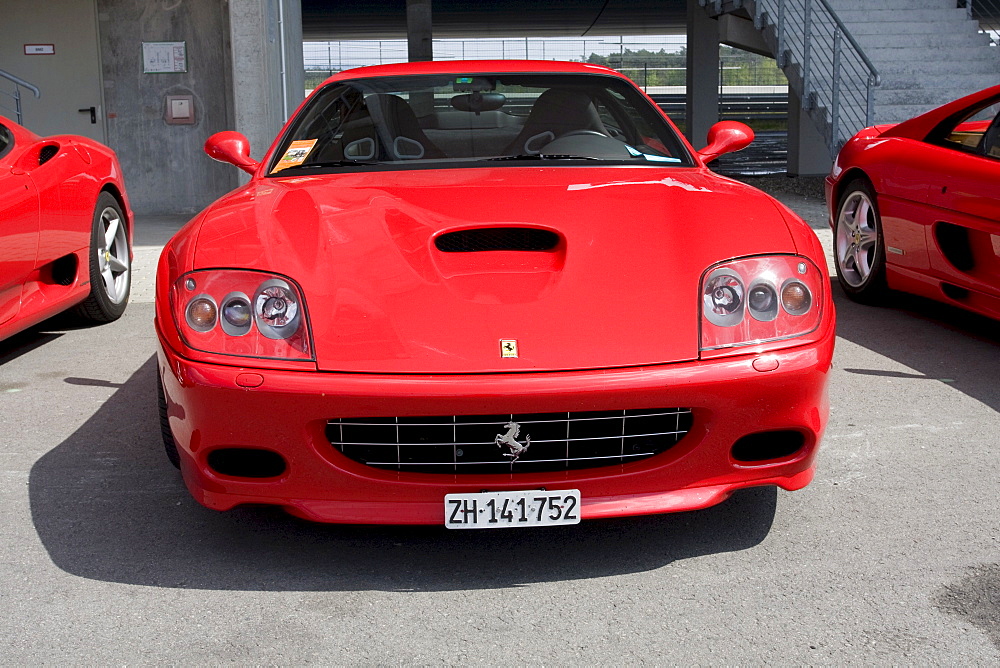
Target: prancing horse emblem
{"x": 510, "y": 440}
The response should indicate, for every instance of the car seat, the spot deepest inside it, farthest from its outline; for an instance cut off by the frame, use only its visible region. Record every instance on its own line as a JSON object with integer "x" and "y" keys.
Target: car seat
{"x": 394, "y": 117}
{"x": 555, "y": 112}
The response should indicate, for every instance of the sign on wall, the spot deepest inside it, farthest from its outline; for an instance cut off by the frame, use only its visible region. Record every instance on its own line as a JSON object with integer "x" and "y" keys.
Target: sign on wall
{"x": 164, "y": 57}
{"x": 39, "y": 49}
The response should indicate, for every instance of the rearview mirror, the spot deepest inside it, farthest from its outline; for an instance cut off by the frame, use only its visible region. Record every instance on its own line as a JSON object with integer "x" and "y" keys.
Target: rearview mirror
{"x": 232, "y": 147}
{"x": 726, "y": 137}
{"x": 478, "y": 102}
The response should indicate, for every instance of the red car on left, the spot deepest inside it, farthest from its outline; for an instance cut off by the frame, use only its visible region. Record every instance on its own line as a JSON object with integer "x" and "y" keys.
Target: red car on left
{"x": 65, "y": 229}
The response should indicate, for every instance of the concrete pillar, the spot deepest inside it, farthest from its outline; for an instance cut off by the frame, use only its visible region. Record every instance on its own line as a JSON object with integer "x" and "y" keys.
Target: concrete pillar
{"x": 268, "y": 76}
{"x": 808, "y": 154}
{"x": 702, "y": 73}
{"x": 295, "y": 67}
{"x": 419, "y": 30}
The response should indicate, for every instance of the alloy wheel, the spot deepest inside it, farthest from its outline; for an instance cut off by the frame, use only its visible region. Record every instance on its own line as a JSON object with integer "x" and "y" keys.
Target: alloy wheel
{"x": 857, "y": 239}
{"x": 113, "y": 257}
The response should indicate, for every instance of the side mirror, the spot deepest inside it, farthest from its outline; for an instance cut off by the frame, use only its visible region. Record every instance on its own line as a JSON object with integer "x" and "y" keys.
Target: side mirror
{"x": 231, "y": 147}
{"x": 726, "y": 137}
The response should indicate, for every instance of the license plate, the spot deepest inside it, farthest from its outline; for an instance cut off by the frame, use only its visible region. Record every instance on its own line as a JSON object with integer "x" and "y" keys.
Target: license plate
{"x": 499, "y": 510}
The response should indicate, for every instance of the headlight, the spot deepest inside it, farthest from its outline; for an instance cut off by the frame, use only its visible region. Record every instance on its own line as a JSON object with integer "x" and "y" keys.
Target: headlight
{"x": 724, "y": 298}
{"x": 214, "y": 313}
{"x": 759, "y": 299}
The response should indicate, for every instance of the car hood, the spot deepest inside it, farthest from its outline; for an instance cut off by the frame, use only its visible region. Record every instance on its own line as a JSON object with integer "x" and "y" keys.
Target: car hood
{"x": 620, "y": 287}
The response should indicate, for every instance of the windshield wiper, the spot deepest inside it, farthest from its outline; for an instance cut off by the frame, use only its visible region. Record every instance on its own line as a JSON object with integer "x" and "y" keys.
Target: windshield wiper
{"x": 332, "y": 163}
{"x": 544, "y": 156}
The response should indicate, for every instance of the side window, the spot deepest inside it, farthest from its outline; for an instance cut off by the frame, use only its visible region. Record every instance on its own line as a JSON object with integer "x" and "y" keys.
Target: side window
{"x": 969, "y": 132}
{"x": 607, "y": 118}
{"x": 6, "y": 140}
{"x": 647, "y": 135}
{"x": 316, "y": 136}
{"x": 991, "y": 142}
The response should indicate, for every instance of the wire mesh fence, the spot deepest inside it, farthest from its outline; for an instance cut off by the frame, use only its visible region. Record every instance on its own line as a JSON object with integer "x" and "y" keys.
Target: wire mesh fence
{"x": 337, "y": 56}
{"x": 752, "y": 88}
{"x": 650, "y": 62}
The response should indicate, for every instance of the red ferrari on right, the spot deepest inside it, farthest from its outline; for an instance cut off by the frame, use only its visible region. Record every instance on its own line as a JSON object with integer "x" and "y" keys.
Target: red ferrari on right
{"x": 915, "y": 207}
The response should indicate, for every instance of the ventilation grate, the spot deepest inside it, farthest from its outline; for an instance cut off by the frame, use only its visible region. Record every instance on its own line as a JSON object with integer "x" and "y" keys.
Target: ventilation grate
{"x": 458, "y": 444}
{"x": 497, "y": 239}
{"x": 47, "y": 153}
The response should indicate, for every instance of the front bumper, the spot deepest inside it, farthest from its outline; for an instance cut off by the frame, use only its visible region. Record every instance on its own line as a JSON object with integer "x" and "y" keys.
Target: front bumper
{"x": 288, "y": 411}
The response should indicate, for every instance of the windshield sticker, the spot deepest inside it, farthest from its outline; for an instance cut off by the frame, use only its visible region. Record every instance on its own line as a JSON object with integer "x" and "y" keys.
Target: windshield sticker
{"x": 672, "y": 183}
{"x": 296, "y": 154}
{"x": 652, "y": 158}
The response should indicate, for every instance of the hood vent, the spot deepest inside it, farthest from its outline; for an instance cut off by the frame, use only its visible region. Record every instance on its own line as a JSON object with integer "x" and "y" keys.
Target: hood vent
{"x": 497, "y": 239}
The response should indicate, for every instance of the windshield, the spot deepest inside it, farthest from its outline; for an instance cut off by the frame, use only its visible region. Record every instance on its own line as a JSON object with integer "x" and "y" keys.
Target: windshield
{"x": 476, "y": 119}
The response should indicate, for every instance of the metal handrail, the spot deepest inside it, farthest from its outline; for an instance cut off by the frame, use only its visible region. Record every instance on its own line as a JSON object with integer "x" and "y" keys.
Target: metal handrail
{"x": 835, "y": 72}
{"x": 850, "y": 38}
{"x": 19, "y": 83}
{"x": 987, "y": 13}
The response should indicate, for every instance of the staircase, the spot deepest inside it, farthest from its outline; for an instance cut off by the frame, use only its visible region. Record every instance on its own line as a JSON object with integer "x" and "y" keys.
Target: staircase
{"x": 928, "y": 52}
{"x": 859, "y": 62}
{"x": 987, "y": 13}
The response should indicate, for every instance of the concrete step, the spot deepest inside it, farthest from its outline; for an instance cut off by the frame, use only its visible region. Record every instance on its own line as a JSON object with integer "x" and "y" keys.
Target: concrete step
{"x": 930, "y": 97}
{"x": 951, "y": 28}
{"x": 911, "y": 68}
{"x": 902, "y": 112}
{"x": 933, "y": 95}
{"x": 936, "y": 81}
{"x": 924, "y": 40}
{"x": 956, "y": 56}
{"x": 895, "y": 5}
{"x": 854, "y": 17}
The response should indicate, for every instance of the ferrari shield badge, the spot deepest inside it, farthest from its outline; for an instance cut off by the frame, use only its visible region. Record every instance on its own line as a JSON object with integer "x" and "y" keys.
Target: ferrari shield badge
{"x": 508, "y": 348}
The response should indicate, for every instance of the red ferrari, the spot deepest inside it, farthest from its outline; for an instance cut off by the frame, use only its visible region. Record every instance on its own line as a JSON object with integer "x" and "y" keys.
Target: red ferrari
{"x": 915, "y": 207}
{"x": 65, "y": 229}
{"x": 490, "y": 294}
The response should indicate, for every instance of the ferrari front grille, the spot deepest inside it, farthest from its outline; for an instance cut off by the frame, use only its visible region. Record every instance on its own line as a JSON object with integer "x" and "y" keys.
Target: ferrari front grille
{"x": 524, "y": 443}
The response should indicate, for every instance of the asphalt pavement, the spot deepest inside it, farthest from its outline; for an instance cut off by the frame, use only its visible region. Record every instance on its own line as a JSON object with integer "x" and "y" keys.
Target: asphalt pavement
{"x": 891, "y": 556}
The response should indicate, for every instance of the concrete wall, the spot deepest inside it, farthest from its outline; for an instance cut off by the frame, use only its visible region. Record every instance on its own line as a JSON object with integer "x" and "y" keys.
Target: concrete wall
{"x": 166, "y": 170}
{"x": 236, "y": 75}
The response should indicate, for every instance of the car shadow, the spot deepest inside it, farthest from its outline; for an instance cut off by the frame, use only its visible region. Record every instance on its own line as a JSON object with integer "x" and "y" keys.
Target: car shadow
{"x": 107, "y": 506}
{"x": 23, "y": 343}
{"x": 40, "y": 334}
{"x": 938, "y": 342}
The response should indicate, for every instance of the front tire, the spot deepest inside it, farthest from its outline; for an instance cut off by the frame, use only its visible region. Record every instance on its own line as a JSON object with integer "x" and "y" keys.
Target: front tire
{"x": 169, "y": 445}
{"x": 859, "y": 246}
{"x": 110, "y": 263}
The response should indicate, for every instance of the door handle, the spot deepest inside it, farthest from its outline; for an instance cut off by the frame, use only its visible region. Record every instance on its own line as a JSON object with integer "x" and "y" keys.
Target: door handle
{"x": 93, "y": 113}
